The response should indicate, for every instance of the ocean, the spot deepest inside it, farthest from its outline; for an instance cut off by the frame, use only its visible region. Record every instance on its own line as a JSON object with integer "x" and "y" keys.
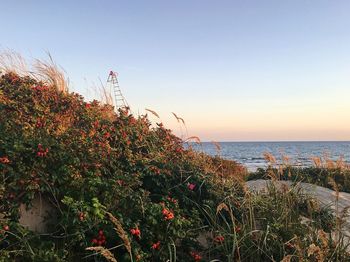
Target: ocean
{"x": 250, "y": 154}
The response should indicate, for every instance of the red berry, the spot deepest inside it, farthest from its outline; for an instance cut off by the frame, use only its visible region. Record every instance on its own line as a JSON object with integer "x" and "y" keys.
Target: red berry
{"x": 6, "y": 228}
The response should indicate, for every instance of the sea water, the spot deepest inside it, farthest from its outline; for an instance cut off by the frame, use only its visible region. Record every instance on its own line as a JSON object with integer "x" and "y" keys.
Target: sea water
{"x": 251, "y": 154}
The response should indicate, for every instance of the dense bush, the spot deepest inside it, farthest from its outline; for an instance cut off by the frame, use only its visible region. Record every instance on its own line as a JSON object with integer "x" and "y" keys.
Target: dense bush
{"x": 123, "y": 190}
{"x": 88, "y": 160}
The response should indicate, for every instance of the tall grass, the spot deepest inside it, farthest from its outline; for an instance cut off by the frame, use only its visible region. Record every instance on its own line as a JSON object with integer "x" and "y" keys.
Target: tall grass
{"x": 46, "y": 71}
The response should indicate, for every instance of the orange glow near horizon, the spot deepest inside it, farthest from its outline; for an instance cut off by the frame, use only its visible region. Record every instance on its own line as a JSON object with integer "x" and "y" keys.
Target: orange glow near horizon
{"x": 322, "y": 121}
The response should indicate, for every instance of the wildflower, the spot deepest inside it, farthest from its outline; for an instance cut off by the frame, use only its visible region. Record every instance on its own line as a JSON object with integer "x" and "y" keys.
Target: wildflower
{"x": 135, "y": 232}
{"x": 196, "y": 256}
{"x": 6, "y": 228}
{"x": 156, "y": 246}
{"x": 191, "y": 186}
{"x": 168, "y": 215}
{"x": 4, "y": 160}
{"x": 219, "y": 239}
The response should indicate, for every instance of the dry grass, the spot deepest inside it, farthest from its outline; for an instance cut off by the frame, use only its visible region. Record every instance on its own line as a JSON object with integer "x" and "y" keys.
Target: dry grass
{"x": 327, "y": 163}
{"x": 269, "y": 158}
{"x": 105, "y": 92}
{"x": 217, "y": 146}
{"x": 182, "y": 125}
{"x": 193, "y": 138}
{"x": 121, "y": 232}
{"x": 12, "y": 62}
{"x": 152, "y": 112}
{"x": 103, "y": 252}
{"x": 47, "y": 72}
{"x": 179, "y": 119}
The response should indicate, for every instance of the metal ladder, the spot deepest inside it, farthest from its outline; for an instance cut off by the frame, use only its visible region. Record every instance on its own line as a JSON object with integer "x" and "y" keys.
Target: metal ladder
{"x": 119, "y": 99}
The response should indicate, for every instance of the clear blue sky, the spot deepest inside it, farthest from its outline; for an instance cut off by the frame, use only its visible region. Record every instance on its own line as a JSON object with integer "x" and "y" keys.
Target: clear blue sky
{"x": 235, "y": 70}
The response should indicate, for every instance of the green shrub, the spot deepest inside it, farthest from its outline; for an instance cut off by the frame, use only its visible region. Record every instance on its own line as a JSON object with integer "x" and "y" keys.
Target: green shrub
{"x": 88, "y": 160}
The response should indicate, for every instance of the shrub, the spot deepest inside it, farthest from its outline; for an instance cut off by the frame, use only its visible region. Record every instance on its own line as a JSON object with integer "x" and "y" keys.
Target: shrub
{"x": 87, "y": 160}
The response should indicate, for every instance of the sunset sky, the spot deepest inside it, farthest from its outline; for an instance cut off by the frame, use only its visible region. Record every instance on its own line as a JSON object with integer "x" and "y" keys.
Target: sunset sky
{"x": 234, "y": 70}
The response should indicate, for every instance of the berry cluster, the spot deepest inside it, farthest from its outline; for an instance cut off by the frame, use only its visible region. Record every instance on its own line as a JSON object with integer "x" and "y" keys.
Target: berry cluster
{"x": 191, "y": 186}
{"x": 4, "y": 229}
{"x": 40, "y": 87}
{"x": 39, "y": 123}
{"x": 196, "y": 256}
{"x": 156, "y": 246}
{"x": 41, "y": 151}
{"x": 100, "y": 240}
{"x": 219, "y": 239}
{"x": 4, "y": 160}
{"x": 135, "y": 232}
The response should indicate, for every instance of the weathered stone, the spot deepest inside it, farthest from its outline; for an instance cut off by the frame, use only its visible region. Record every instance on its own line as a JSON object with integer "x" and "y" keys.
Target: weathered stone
{"x": 38, "y": 216}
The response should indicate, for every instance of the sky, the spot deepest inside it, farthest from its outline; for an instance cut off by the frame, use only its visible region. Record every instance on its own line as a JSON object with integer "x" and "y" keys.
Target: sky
{"x": 234, "y": 70}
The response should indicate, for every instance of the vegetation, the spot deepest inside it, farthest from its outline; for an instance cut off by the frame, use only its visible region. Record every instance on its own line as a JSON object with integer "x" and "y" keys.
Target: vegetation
{"x": 123, "y": 190}
{"x": 325, "y": 173}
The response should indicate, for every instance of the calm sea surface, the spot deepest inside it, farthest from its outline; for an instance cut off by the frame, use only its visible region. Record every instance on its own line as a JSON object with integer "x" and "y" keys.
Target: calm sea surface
{"x": 300, "y": 153}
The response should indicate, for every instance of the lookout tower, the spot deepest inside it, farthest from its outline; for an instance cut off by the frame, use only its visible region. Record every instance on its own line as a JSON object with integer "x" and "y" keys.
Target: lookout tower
{"x": 112, "y": 83}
